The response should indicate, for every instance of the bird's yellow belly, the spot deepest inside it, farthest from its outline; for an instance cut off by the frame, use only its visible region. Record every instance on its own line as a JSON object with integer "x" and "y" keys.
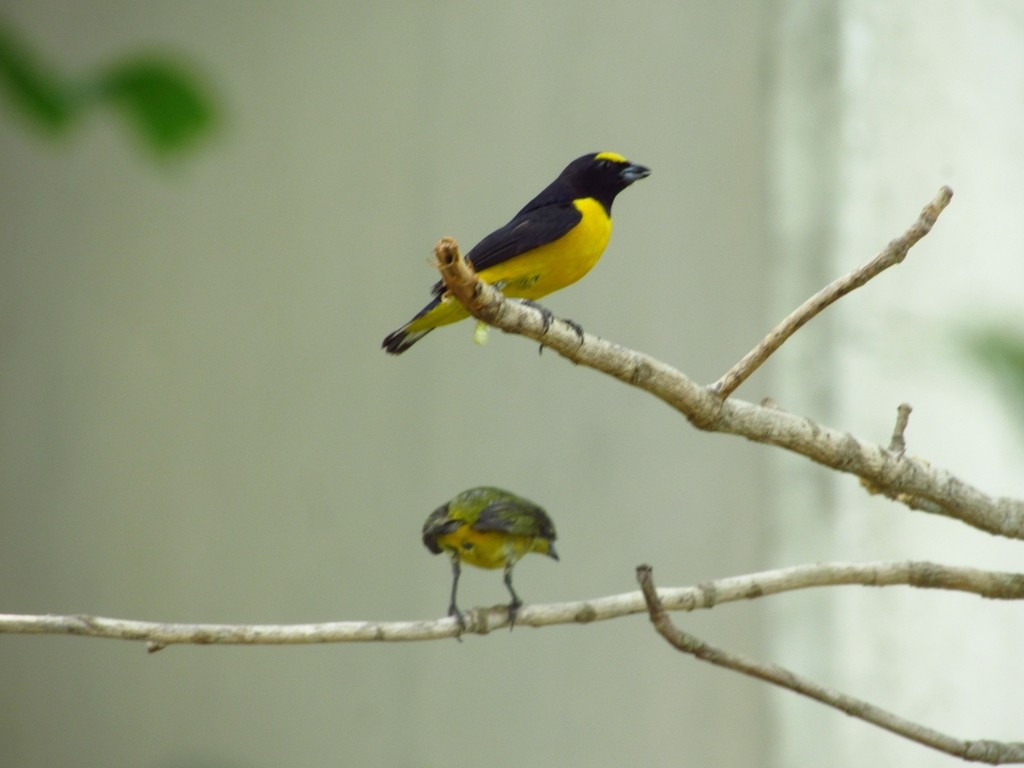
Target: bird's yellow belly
{"x": 558, "y": 264}
{"x": 485, "y": 549}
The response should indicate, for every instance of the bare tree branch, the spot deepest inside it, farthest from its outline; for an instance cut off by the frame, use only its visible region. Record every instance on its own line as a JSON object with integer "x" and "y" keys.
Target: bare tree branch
{"x": 989, "y": 584}
{"x": 909, "y": 480}
{"x": 892, "y": 254}
{"x": 982, "y": 750}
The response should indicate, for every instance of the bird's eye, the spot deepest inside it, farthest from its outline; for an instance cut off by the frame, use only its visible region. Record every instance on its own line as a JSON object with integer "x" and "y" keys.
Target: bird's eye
{"x": 467, "y": 545}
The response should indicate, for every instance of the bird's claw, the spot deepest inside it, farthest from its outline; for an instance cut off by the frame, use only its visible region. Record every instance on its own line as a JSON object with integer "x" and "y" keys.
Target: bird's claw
{"x": 548, "y": 317}
{"x": 576, "y": 327}
{"x": 545, "y": 313}
{"x": 460, "y": 618}
{"x": 513, "y": 612}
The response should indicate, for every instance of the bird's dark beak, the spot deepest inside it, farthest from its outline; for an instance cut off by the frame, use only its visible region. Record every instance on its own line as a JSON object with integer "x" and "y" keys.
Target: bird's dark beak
{"x": 633, "y": 172}
{"x": 551, "y": 550}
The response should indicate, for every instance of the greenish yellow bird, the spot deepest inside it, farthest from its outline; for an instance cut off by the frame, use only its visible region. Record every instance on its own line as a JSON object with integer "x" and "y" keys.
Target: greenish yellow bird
{"x": 489, "y": 528}
{"x": 552, "y": 242}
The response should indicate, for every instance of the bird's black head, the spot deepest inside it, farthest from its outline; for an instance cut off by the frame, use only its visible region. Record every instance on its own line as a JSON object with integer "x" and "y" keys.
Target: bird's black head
{"x": 602, "y": 175}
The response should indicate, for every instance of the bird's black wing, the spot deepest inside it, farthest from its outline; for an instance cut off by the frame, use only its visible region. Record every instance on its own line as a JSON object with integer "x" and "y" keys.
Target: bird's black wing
{"x": 530, "y": 229}
{"x": 515, "y": 517}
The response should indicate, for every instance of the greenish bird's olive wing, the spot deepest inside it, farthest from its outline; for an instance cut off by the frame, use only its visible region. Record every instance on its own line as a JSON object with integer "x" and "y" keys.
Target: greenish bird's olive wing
{"x": 515, "y": 516}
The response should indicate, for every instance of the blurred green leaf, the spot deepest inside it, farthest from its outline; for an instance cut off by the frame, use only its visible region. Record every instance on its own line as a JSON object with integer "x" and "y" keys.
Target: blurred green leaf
{"x": 38, "y": 94}
{"x": 999, "y": 350}
{"x": 166, "y": 106}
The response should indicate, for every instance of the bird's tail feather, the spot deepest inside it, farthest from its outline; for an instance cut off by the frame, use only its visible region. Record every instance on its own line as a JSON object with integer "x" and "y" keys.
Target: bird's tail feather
{"x": 396, "y": 343}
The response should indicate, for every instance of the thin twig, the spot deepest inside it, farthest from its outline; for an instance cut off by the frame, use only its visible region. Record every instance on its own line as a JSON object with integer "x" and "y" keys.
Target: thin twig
{"x": 925, "y": 575}
{"x": 898, "y": 447}
{"x": 987, "y": 751}
{"x": 892, "y": 254}
{"x": 909, "y": 480}
{"x": 898, "y": 442}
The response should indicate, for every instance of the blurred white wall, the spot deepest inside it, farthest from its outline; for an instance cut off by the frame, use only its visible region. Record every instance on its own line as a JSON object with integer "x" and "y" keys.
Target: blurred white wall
{"x": 878, "y": 105}
{"x": 197, "y": 423}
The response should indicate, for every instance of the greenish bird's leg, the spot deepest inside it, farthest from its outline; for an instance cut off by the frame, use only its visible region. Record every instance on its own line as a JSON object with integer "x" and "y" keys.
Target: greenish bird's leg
{"x": 513, "y": 607}
{"x": 453, "y": 609}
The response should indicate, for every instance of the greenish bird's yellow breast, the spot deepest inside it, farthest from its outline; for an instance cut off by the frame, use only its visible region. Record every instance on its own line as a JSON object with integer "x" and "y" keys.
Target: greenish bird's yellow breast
{"x": 486, "y": 549}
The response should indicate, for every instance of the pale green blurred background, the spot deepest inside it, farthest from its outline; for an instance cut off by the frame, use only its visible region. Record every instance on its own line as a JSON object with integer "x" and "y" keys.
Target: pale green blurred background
{"x": 197, "y": 422}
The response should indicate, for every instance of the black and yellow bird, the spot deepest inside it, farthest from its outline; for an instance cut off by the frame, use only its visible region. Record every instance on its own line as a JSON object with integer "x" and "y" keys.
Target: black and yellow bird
{"x": 551, "y": 243}
{"x": 489, "y": 528}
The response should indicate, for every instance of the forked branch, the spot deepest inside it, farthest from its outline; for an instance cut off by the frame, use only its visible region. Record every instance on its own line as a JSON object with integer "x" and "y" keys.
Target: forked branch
{"x": 909, "y": 480}
{"x": 892, "y": 254}
{"x": 974, "y": 750}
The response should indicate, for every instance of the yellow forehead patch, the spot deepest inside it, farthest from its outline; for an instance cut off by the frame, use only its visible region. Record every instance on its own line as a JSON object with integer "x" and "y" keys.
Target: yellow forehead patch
{"x": 615, "y": 157}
